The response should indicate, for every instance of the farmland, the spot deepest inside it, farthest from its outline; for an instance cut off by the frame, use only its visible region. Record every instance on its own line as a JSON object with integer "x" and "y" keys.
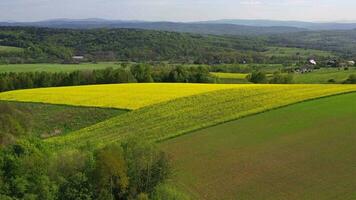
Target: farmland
{"x": 303, "y": 151}
{"x": 296, "y": 52}
{"x": 124, "y": 96}
{"x": 50, "y": 67}
{"x": 230, "y": 78}
{"x": 176, "y": 117}
{"x": 134, "y": 114}
{"x": 9, "y": 50}
{"x": 45, "y": 120}
{"x": 324, "y": 75}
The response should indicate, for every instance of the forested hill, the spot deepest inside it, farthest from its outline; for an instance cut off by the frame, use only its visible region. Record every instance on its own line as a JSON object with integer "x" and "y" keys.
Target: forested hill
{"x": 48, "y": 45}
{"x": 342, "y": 42}
{"x": 199, "y": 28}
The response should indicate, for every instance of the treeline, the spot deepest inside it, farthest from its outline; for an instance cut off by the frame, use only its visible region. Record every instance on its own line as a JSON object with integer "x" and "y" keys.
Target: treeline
{"x": 59, "y": 45}
{"x": 140, "y": 73}
{"x": 133, "y": 170}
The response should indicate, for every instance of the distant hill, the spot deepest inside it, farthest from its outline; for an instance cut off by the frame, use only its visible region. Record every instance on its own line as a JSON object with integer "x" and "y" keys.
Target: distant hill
{"x": 296, "y": 24}
{"x": 200, "y": 28}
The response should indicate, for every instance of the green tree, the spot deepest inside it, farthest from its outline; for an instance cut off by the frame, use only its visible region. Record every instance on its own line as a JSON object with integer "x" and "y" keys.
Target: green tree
{"x": 110, "y": 174}
{"x": 257, "y": 77}
{"x": 142, "y": 73}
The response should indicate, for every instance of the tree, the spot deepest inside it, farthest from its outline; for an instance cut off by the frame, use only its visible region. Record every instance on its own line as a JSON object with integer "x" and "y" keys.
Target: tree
{"x": 257, "y": 77}
{"x": 279, "y": 78}
{"x": 147, "y": 167}
{"x": 110, "y": 174}
{"x": 142, "y": 73}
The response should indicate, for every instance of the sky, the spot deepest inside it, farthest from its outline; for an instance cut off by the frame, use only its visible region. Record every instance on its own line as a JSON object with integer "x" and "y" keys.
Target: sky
{"x": 179, "y": 10}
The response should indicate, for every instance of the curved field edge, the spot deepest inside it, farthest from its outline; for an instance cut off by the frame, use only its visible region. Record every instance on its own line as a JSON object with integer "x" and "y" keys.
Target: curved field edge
{"x": 121, "y": 96}
{"x": 290, "y": 149}
{"x": 46, "y": 120}
{"x": 171, "y": 119}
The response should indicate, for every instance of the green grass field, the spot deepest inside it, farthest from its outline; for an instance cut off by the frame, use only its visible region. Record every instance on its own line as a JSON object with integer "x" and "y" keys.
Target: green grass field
{"x": 46, "y": 120}
{"x": 55, "y": 67}
{"x": 180, "y": 116}
{"x": 303, "y": 151}
{"x": 324, "y": 75}
{"x": 9, "y": 50}
{"x": 231, "y": 78}
{"x": 299, "y": 52}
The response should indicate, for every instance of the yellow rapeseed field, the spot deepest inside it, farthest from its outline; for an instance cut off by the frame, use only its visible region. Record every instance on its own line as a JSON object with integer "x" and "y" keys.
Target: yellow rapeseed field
{"x": 173, "y": 118}
{"x": 124, "y": 96}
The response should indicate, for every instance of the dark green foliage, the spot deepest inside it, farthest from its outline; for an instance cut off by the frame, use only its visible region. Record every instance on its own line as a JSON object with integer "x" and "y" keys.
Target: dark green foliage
{"x": 341, "y": 41}
{"x": 138, "y": 73}
{"x": 142, "y": 73}
{"x": 24, "y": 171}
{"x": 133, "y": 170}
{"x": 279, "y": 78}
{"x": 24, "y": 80}
{"x": 110, "y": 174}
{"x": 147, "y": 167}
{"x": 257, "y": 77}
{"x": 59, "y": 45}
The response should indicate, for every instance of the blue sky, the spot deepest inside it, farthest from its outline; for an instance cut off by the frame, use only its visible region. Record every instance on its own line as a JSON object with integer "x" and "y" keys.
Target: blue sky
{"x": 179, "y": 10}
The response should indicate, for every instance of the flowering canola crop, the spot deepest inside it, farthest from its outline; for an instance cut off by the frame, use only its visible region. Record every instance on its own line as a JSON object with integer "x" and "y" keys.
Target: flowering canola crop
{"x": 124, "y": 96}
{"x": 180, "y": 116}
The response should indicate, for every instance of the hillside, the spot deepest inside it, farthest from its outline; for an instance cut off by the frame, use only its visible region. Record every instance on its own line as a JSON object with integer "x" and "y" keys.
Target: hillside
{"x": 341, "y": 42}
{"x": 59, "y": 45}
{"x": 303, "y": 151}
{"x": 195, "y": 27}
{"x": 173, "y": 118}
{"x": 297, "y": 24}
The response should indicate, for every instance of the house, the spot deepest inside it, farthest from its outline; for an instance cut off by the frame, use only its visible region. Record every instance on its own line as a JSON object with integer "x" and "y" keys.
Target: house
{"x": 312, "y": 62}
{"x": 351, "y": 62}
{"x": 78, "y": 57}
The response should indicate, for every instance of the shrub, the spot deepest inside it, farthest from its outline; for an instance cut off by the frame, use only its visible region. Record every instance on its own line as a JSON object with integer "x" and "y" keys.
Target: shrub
{"x": 257, "y": 77}
{"x": 279, "y": 78}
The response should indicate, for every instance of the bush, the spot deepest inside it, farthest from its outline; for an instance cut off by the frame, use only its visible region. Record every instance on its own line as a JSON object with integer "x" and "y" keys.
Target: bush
{"x": 351, "y": 79}
{"x": 279, "y": 78}
{"x": 257, "y": 77}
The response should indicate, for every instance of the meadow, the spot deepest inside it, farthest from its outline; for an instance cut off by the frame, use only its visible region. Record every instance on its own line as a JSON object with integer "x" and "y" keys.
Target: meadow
{"x": 303, "y": 151}
{"x": 296, "y": 52}
{"x": 10, "y": 50}
{"x": 172, "y": 118}
{"x": 231, "y": 78}
{"x": 320, "y": 76}
{"x": 324, "y": 75}
{"x": 46, "y": 120}
{"x": 47, "y": 67}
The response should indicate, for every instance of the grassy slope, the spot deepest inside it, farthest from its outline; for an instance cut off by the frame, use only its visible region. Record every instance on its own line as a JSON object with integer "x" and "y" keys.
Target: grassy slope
{"x": 46, "y": 120}
{"x": 173, "y": 118}
{"x": 304, "y": 151}
{"x": 231, "y": 78}
{"x": 125, "y": 96}
{"x": 324, "y": 75}
{"x": 55, "y": 67}
{"x": 8, "y": 49}
{"x": 303, "y": 53}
